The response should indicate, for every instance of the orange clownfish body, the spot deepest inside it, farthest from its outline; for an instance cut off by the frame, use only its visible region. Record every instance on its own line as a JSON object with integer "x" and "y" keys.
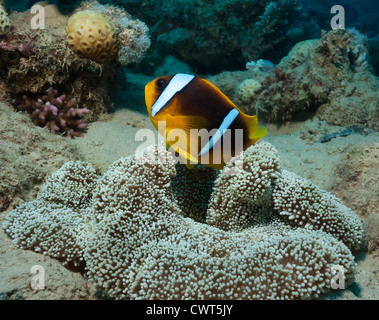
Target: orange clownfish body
{"x": 198, "y": 121}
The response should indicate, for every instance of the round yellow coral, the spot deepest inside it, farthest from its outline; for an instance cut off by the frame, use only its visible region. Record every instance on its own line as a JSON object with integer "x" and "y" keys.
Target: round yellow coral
{"x": 90, "y": 35}
{"x": 4, "y": 21}
{"x": 247, "y": 88}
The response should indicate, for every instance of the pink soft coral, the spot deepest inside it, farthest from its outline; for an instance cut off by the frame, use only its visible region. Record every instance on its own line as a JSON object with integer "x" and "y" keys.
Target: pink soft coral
{"x": 58, "y": 113}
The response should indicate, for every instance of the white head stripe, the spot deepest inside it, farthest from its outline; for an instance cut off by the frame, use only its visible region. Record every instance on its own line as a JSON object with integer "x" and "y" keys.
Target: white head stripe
{"x": 220, "y": 131}
{"x": 177, "y": 83}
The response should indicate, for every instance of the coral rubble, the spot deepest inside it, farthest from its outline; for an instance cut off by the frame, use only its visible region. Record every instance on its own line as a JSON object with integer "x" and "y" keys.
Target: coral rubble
{"x": 137, "y": 243}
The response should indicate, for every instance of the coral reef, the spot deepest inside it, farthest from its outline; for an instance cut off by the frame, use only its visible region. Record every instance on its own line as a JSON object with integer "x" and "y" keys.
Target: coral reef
{"x": 171, "y": 65}
{"x": 31, "y": 61}
{"x": 50, "y": 62}
{"x": 132, "y": 34}
{"x": 327, "y": 77}
{"x": 212, "y": 36}
{"x": 269, "y": 30}
{"x": 130, "y": 230}
{"x": 345, "y": 48}
{"x": 90, "y": 35}
{"x": 26, "y": 159}
{"x": 134, "y": 41}
{"x": 12, "y": 52}
{"x": 58, "y": 113}
{"x": 4, "y": 21}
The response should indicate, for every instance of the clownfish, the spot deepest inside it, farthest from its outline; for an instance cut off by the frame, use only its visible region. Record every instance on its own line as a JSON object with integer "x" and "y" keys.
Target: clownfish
{"x": 198, "y": 121}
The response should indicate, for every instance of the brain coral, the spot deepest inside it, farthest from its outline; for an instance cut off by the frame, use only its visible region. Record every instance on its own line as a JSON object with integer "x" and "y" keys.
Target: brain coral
{"x": 4, "y": 21}
{"x": 91, "y": 35}
{"x": 139, "y": 245}
{"x": 132, "y": 34}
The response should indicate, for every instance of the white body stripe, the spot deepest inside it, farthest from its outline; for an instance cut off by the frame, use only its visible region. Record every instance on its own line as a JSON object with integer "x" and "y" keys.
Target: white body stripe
{"x": 220, "y": 131}
{"x": 177, "y": 83}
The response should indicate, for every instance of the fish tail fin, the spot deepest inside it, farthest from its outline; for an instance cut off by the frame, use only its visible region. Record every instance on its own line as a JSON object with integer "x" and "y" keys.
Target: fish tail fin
{"x": 255, "y": 132}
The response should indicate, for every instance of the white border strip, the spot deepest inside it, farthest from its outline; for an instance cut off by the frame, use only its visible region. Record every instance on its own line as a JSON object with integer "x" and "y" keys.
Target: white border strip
{"x": 177, "y": 83}
{"x": 220, "y": 131}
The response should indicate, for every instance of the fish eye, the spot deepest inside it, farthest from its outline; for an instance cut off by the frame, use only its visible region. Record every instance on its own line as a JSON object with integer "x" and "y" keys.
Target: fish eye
{"x": 160, "y": 83}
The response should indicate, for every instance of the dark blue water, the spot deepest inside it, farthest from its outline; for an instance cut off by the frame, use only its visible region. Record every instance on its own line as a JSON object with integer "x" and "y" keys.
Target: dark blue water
{"x": 361, "y": 14}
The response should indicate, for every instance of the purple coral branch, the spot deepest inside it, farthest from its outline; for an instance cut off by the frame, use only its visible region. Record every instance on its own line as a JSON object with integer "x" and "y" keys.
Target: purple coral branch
{"x": 55, "y": 112}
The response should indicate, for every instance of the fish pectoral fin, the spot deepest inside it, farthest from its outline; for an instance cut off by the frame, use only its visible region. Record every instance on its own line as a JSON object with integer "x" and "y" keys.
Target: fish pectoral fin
{"x": 182, "y": 139}
{"x": 187, "y": 122}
